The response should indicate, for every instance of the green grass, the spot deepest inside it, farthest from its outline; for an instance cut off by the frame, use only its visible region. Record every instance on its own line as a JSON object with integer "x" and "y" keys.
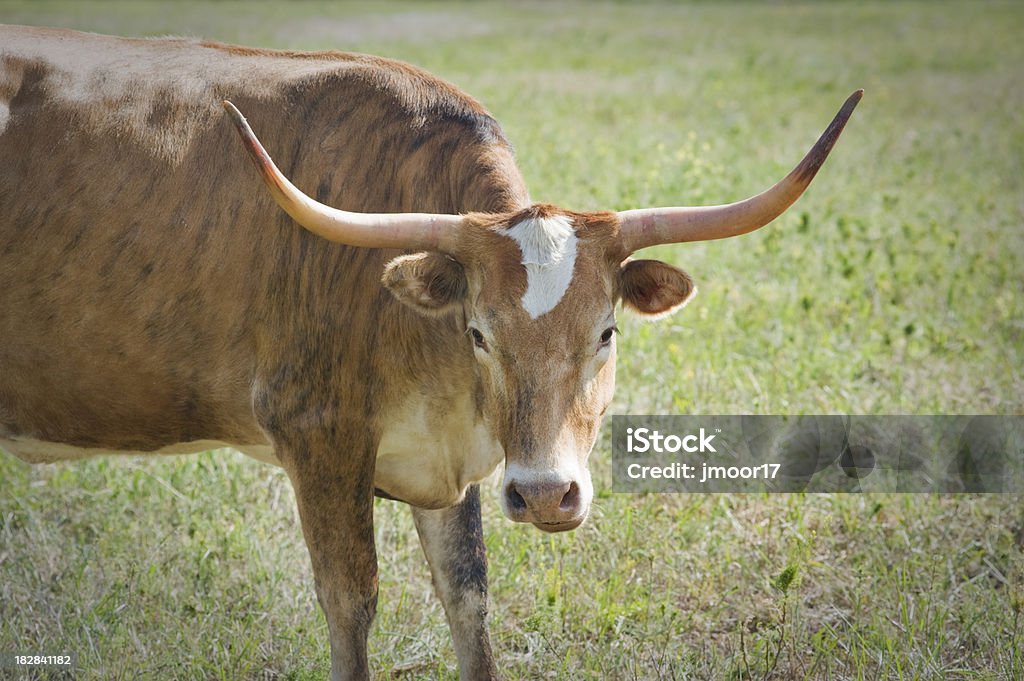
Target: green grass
{"x": 894, "y": 286}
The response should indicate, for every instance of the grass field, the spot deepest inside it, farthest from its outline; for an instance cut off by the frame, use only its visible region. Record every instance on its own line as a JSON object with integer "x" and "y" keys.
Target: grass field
{"x": 894, "y": 286}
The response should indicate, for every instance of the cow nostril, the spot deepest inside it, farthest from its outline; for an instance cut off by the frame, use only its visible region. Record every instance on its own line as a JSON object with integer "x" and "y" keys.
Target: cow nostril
{"x": 515, "y": 500}
{"x": 571, "y": 500}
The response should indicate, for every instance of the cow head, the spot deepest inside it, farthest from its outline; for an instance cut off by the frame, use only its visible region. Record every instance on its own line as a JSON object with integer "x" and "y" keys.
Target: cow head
{"x": 537, "y": 290}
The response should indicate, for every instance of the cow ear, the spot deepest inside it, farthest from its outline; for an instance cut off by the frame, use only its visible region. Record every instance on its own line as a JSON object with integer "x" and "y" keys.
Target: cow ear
{"x": 430, "y": 283}
{"x": 654, "y": 289}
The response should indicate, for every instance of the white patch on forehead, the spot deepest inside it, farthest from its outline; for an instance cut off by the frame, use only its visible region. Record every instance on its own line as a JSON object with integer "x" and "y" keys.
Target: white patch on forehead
{"x": 548, "y": 246}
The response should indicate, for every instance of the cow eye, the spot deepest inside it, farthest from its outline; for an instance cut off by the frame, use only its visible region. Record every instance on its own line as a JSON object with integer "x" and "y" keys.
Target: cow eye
{"x": 606, "y": 337}
{"x": 478, "y": 338}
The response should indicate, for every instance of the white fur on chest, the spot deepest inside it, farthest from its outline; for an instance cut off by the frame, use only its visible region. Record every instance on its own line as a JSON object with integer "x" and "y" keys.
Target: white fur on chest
{"x": 548, "y": 246}
{"x": 427, "y": 456}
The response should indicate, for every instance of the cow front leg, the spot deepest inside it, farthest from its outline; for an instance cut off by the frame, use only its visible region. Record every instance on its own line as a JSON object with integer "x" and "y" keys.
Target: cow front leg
{"x": 453, "y": 541}
{"x": 336, "y": 510}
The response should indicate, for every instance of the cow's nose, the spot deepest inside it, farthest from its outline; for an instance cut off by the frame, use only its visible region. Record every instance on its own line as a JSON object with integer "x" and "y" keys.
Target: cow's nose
{"x": 550, "y": 505}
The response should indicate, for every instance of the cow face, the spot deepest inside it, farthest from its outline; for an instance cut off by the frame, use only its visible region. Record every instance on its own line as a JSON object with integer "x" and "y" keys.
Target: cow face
{"x": 537, "y": 292}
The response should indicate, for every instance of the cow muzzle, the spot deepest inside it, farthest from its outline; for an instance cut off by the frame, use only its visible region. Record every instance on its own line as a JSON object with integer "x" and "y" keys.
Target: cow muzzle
{"x": 552, "y": 501}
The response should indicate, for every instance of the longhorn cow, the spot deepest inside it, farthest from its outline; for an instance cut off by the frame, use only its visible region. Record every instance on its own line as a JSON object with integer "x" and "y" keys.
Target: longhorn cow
{"x": 154, "y": 299}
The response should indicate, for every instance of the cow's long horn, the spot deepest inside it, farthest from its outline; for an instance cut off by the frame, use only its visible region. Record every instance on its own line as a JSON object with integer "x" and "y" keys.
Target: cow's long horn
{"x": 418, "y": 231}
{"x": 650, "y": 226}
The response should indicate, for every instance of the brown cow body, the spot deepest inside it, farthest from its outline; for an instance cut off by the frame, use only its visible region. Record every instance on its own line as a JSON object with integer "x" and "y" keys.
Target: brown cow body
{"x": 153, "y": 144}
{"x": 152, "y": 297}
{"x": 150, "y": 328}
